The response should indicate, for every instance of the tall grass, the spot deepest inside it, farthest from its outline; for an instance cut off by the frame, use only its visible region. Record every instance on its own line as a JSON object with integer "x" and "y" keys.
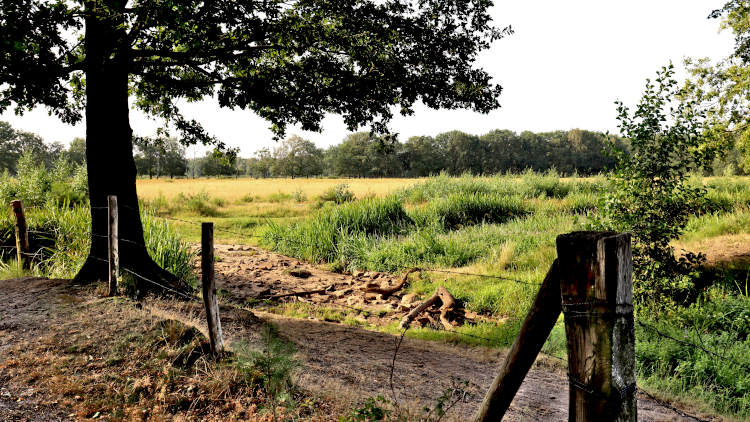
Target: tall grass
{"x": 719, "y": 323}
{"x": 463, "y": 209}
{"x": 60, "y": 237}
{"x": 167, "y": 248}
{"x": 319, "y": 238}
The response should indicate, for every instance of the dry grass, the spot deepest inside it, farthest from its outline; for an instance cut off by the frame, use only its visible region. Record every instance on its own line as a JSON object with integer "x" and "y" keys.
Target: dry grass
{"x": 234, "y": 189}
{"x": 155, "y": 368}
{"x": 723, "y": 249}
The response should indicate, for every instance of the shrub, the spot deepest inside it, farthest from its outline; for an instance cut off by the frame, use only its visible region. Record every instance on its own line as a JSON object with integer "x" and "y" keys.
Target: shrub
{"x": 299, "y": 196}
{"x": 270, "y": 369}
{"x": 36, "y": 186}
{"x": 337, "y": 194}
{"x": 652, "y": 197}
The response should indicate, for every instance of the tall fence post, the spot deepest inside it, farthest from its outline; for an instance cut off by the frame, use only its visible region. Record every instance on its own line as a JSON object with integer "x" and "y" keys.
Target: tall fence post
{"x": 596, "y": 283}
{"x": 209, "y": 289}
{"x": 113, "y": 241}
{"x": 536, "y": 328}
{"x": 22, "y": 234}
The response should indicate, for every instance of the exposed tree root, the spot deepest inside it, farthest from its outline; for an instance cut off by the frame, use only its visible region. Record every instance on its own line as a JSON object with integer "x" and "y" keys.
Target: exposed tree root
{"x": 387, "y": 291}
{"x": 442, "y": 295}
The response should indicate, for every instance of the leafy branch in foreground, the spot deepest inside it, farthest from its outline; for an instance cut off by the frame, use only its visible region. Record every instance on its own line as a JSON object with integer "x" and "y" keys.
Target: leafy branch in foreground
{"x": 651, "y": 197}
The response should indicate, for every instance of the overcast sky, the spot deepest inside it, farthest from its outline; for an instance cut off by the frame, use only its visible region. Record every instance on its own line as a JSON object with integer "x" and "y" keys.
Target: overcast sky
{"x": 563, "y": 68}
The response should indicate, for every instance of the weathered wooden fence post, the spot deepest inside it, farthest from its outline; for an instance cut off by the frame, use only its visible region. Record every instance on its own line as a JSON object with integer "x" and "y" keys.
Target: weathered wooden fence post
{"x": 534, "y": 332}
{"x": 596, "y": 271}
{"x": 113, "y": 242}
{"x": 209, "y": 289}
{"x": 22, "y": 234}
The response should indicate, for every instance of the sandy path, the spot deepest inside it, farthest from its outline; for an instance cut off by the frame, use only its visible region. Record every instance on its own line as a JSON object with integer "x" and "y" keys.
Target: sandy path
{"x": 338, "y": 360}
{"x": 348, "y": 361}
{"x": 351, "y": 362}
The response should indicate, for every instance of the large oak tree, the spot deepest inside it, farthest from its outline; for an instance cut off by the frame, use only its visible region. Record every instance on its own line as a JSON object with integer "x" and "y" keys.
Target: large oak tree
{"x": 288, "y": 61}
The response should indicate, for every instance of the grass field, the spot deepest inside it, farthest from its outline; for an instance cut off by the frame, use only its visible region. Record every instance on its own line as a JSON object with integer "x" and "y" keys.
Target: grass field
{"x": 233, "y": 190}
{"x": 501, "y": 225}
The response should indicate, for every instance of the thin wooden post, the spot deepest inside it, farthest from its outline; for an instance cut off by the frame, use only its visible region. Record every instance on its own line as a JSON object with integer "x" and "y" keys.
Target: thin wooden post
{"x": 113, "y": 242}
{"x": 209, "y": 289}
{"x": 596, "y": 281}
{"x": 534, "y": 332}
{"x": 22, "y": 234}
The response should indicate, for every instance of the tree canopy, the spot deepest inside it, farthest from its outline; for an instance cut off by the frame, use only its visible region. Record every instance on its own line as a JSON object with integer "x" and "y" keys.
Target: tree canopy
{"x": 724, "y": 86}
{"x": 290, "y": 62}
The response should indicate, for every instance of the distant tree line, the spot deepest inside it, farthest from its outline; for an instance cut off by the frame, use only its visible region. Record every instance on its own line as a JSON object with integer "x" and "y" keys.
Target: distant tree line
{"x": 359, "y": 155}
{"x": 455, "y": 152}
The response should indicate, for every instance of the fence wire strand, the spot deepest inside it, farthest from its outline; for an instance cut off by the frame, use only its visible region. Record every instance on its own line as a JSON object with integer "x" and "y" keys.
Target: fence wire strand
{"x": 693, "y": 345}
{"x": 400, "y": 268}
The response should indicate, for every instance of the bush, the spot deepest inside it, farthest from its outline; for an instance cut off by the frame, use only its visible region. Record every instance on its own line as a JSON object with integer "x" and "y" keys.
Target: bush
{"x": 37, "y": 186}
{"x": 337, "y": 194}
{"x": 652, "y": 197}
{"x": 270, "y": 369}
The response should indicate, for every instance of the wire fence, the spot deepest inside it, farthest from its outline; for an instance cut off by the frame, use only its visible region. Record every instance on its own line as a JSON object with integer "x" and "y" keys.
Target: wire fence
{"x": 684, "y": 341}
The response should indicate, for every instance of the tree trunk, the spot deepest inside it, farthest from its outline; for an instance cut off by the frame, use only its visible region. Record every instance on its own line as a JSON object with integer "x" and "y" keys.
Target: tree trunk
{"x": 109, "y": 153}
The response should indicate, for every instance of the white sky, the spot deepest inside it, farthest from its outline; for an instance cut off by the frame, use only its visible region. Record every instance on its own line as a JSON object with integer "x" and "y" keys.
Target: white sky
{"x": 563, "y": 68}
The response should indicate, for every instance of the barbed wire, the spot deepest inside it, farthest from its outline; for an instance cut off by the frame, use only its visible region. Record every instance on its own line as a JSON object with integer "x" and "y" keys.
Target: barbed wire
{"x": 402, "y": 268}
{"x": 693, "y": 345}
{"x": 671, "y": 407}
{"x": 437, "y": 270}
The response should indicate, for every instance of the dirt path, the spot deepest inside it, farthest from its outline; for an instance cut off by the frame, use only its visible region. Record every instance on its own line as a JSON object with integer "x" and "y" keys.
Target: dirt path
{"x": 27, "y": 305}
{"x": 339, "y": 361}
{"x": 352, "y": 362}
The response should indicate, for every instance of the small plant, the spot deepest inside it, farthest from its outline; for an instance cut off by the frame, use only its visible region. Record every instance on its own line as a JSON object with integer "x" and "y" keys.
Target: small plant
{"x": 374, "y": 409}
{"x": 299, "y": 196}
{"x": 457, "y": 392}
{"x": 269, "y": 370}
{"x": 337, "y": 194}
{"x": 380, "y": 409}
{"x": 247, "y": 198}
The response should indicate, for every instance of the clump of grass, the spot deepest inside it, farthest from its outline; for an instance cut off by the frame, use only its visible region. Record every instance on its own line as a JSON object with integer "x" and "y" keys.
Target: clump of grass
{"x": 279, "y": 197}
{"x": 299, "y": 196}
{"x": 338, "y": 194}
{"x": 464, "y": 209}
{"x": 167, "y": 249}
{"x": 198, "y": 204}
{"x": 318, "y": 238}
{"x": 247, "y": 198}
{"x": 716, "y": 224}
{"x": 15, "y": 269}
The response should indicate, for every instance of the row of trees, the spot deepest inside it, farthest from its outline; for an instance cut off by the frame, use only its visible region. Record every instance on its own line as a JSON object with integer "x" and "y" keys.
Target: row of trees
{"x": 363, "y": 155}
{"x": 14, "y": 143}
{"x": 358, "y": 155}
